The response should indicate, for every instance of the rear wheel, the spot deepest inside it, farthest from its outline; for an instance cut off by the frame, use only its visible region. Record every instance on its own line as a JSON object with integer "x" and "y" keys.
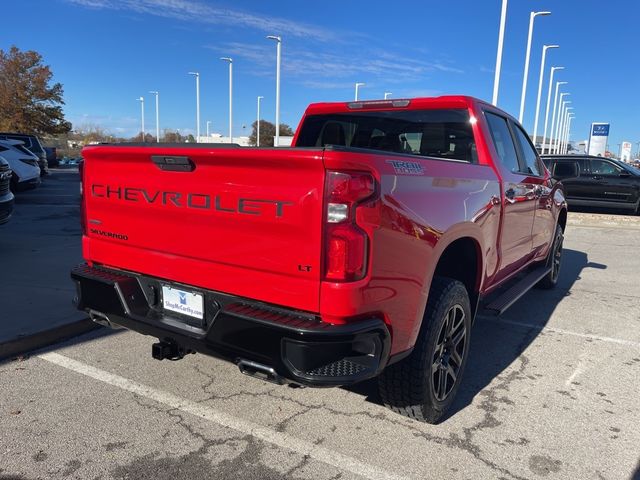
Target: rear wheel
{"x": 13, "y": 183}
{"x": 554, "y": 260}
{"x": 423, "y": 385}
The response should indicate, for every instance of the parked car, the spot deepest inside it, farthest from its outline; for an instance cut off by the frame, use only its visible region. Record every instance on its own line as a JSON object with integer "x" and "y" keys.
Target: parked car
{"x": 363, "y": 251}
{"x": 596, "y": 181}
{"x": 52, "y": 156}
{"x": 6, "y": 196}
{"x": 32, "y": 143}
{"x": 23, "y": 163}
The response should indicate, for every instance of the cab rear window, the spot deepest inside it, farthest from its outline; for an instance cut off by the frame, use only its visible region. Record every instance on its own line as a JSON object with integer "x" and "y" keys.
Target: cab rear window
{"x": 442, "y": 133}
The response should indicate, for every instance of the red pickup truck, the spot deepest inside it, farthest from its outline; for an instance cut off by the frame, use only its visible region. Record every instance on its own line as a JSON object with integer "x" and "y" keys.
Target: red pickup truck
{"x": 363, "y": 251}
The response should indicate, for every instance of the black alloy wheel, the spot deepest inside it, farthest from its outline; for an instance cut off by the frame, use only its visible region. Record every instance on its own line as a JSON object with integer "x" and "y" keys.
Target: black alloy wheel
{"x": 449, "y": 352}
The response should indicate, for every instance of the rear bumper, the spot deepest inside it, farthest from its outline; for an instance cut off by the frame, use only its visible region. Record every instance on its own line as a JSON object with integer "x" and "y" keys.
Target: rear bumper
{"x": 296, "y": 345}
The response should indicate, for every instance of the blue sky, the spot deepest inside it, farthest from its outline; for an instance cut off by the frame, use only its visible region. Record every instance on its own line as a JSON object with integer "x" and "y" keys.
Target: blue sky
{"x": 107, "y": 53}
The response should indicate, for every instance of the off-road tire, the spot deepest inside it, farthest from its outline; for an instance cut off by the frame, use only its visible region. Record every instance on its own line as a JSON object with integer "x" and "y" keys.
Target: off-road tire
{"x": 554, "y": 260}
{"x": 407, "y": 387}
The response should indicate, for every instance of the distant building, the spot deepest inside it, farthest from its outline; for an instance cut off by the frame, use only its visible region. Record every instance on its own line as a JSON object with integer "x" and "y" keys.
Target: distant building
{"x": 285, "y": 141}
{"x": 218, "y": 138}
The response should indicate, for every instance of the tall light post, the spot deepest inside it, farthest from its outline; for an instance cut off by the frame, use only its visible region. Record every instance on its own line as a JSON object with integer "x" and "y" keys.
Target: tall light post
{"x": 230, "y": 61}
{"x": 278, "y": 41}
{"x": 546, "y": 112}
{"x": 386, "y": 94}
{"x": 157, "y": 115}
{"x": 553, "y": 116}
{"x": 556, "y": 138}
{"x": 197, "y": 75}
{"x": 567, "y": 136}
{"x": 260, "y": 97}
{"x": 358, "y": 85}
{"x": 561, "y": 115}
{"x": 537, "y": 117}
{"x": 565, "y": 133}
{"x": 208, "y": 123}
{"x": 496, "y": 78}
{"x": 532, "y": 17}
{"x": 141, "y": 100}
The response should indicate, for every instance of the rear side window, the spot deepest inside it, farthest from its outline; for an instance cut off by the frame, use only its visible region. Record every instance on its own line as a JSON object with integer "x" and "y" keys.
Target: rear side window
{"x": 566, "y": 169}
{"x": 532, "y": 167}
{"x": 431, "y": 133}
{"x": 23, "y": 149}
{"x": 503, "y": 141}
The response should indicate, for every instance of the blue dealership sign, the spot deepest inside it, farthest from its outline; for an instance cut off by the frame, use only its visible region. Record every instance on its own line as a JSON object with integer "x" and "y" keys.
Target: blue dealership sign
{"x": 600, "y": 130}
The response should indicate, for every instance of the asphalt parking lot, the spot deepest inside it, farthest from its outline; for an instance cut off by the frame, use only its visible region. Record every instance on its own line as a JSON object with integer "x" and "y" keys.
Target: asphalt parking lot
{"x": 551, "y": 391}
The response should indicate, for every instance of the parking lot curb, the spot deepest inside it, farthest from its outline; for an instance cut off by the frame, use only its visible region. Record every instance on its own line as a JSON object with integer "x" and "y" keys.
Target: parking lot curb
{"x": 28, "y": 343}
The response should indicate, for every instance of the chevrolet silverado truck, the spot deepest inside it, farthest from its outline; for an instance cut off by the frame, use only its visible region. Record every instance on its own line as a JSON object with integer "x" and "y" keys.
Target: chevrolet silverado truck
{"x": 364, "y": 250}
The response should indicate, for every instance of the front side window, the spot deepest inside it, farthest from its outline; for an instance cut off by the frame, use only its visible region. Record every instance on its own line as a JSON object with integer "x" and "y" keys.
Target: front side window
{"x": 532, "y": 167}
{"x": 602, "y": 167}
{"x": 503, "y": 142}
{"x": 442, "y": 133}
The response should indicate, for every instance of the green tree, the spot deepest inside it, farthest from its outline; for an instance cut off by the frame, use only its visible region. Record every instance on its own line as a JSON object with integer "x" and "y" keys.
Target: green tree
{"x": 29, "y": 102}
{"x": 267, "y": 132}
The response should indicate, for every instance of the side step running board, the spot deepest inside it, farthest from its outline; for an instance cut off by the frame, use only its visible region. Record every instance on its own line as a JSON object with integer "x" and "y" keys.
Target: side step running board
{"x": 513, "y": 294}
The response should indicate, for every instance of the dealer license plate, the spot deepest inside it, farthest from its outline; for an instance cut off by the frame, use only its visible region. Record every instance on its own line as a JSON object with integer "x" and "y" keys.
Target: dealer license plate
{"x": 184, "y": 302}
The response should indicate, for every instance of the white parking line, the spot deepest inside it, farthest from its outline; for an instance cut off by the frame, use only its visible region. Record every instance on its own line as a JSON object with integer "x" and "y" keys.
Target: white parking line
{"x": 302, "y": 447}
{"x": 619, "y": 341}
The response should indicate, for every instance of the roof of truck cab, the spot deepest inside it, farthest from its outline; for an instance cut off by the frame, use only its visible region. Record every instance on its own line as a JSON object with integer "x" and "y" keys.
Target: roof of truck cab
{"x": 446, "y": 101}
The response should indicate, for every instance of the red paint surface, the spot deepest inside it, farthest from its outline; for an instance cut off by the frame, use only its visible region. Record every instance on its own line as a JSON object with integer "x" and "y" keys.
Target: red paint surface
{"x": 247, "y": 245}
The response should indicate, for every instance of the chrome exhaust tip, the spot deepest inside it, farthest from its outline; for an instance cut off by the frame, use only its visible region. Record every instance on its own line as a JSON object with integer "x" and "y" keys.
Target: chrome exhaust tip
{"x": 102, "y": 319}
{"x": 258, "y": 370}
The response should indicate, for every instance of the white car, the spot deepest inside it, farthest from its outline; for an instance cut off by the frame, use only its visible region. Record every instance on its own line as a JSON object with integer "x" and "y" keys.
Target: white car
{"x": 23, "y": 163}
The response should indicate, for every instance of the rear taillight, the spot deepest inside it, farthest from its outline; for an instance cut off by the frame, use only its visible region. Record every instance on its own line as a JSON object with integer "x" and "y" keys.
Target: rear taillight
{"x": 346, "y": 244}
{"x": 83, "y": 210}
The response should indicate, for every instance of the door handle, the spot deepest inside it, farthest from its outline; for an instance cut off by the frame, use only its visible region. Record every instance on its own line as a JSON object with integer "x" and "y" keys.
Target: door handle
{"x": 535, "y": 192}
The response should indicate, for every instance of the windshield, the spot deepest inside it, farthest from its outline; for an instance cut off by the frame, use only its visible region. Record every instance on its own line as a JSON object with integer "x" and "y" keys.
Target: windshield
{"x": 431, "y": 133}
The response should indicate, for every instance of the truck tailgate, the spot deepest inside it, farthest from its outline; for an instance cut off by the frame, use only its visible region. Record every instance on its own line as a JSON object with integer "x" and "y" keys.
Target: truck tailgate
{"x": 243, "y": 221}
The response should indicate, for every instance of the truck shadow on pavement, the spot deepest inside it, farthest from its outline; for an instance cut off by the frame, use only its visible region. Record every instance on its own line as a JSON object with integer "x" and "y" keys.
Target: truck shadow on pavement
{"x": 497, "y": 344}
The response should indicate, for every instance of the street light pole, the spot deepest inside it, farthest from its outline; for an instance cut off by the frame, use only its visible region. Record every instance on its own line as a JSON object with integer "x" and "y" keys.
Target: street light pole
{"x": 565, "y": 133}
{"x": 567, "y": 113}
{"x": 358, "y": 85}
{"x": 230, "y": 61}
{"x": 546, "y": 112}
{"x": 141, "y": 100}
{"x": 561, "y": 116}
{"x": 208, "y": 123}
{"x": 537, "y": 117}
{"x": 386, "y": 94}
{"x": 568, "y": 135}
{"x": 553, "y": 116}
{"x": 496, "y": 79}
{"x": 532, "y": 17}
{"x": 260, "y": 97}
{"x": 278, "y": 39}
{"x": 157, "y": 115}
{"x": 197, "y": 75}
